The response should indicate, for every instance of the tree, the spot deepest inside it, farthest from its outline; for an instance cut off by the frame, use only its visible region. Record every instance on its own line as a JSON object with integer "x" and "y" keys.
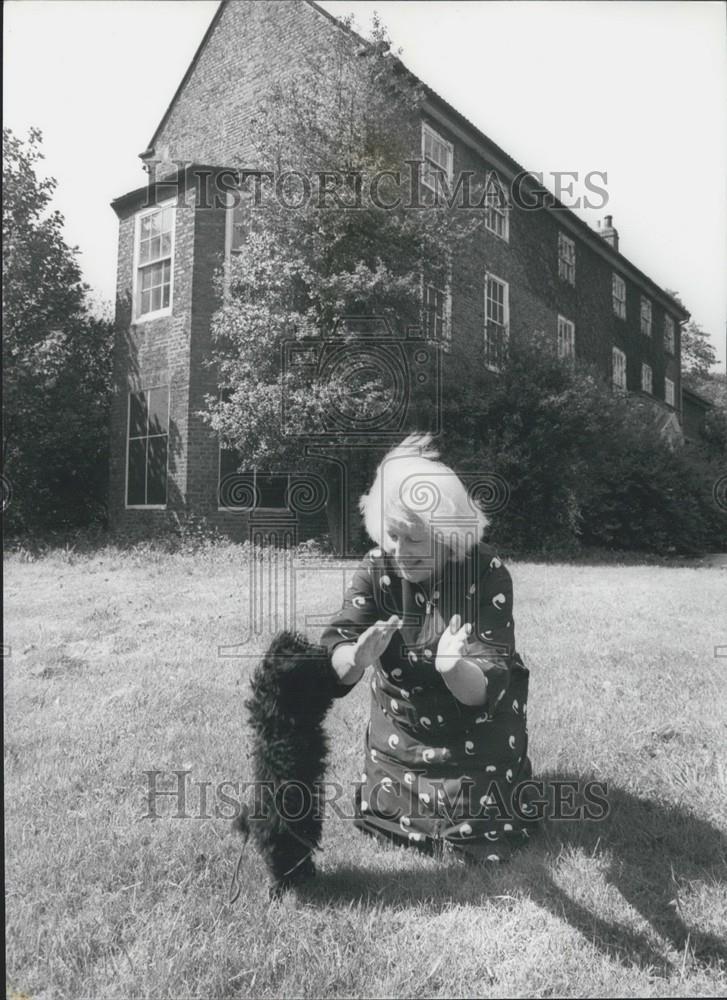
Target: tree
{"x": 56, "y": 357}
{"x": 336, "y": 142}
{"x": 698, "y": 354}
{"x": 573, "y": 464}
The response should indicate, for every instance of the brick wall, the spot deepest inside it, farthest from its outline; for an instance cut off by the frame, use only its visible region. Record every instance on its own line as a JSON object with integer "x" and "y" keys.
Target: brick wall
{"x": 252, "y": 44}
{"x": 152, "y": 353}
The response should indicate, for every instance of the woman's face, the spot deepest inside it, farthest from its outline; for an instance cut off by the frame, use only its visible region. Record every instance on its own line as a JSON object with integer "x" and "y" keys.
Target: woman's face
{"x": 411, "y": 545}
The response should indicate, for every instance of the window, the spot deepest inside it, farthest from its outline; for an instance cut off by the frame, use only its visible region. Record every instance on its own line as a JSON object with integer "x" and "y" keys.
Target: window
{"x": 619, "y": 368}
{"x": 146, "y": 464}
{"x": 566, "y": 259}
{"x": 669, "y": 338}
{"x": 645, "y": 316}
{"x": 249, "y": 490}
{"x": 154, "y": 257}
{"x": 496, "y": 217}
{"x": 647, "y": 383}
{"x": 566, "y": 338}
{"x": 619, "y": 296}
{"x": 497, "y": 316}
{"x": 438, "y": 156}
{"x": 234, "y": 228}
{"x": 669, "y": 394}
{"x": 437, "y": 313}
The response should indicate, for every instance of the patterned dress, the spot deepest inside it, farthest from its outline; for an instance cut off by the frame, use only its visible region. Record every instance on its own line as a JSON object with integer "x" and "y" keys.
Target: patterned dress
{"x": 436, "y": 770}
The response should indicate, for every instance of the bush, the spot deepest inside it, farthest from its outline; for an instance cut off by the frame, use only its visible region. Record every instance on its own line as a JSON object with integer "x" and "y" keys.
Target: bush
{"x": 583, "y": 466}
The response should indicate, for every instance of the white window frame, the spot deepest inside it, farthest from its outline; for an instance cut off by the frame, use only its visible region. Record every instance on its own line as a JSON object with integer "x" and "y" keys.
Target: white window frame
{"x": 647, "y": 378}
{"x": 232, "y": 204}
{"x": 670, "y": 341}
{"x": 129, "y": 394}
{"x": 448, "y": 170}
{"x": 566, "y": 338}
{"x": 500, "y": 213}
{"x": 566, "y": 258}
{"x": 243, "y": 510}
{"x": 619, "y": 301}
{"x": 446, "y": 339}
{"x": 670, "y": 390}
{"x": 136, "y": 288}
{"x": 490, "y": 276}
{"x": 618, "y": 368}
{"x": 646, "y": 316}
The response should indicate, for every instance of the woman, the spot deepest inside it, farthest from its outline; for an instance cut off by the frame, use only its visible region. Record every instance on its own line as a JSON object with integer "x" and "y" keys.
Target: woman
{"x": 430, "y": 609}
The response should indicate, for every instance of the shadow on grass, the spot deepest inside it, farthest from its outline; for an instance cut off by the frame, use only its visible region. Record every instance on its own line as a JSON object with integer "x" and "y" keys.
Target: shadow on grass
{"x": 651, "y": 850}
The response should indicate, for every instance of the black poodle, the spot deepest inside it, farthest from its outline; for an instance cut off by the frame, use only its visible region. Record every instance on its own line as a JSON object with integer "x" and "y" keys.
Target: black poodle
{"x": 292, "y": 690}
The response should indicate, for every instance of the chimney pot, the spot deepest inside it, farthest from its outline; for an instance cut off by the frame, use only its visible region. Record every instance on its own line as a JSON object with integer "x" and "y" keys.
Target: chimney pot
{"x": 608, "y": 232}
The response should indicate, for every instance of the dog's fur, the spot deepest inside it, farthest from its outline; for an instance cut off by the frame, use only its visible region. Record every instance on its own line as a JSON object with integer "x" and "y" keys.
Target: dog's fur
{"x": 292, "y": 690}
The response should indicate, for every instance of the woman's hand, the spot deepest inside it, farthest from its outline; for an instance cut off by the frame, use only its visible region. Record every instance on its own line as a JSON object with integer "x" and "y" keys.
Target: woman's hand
{"x": 460, "y": 672}
{"x": 452, "y": 645}
{"x": 351, "y": 659}
{"x": 374, "y": 642}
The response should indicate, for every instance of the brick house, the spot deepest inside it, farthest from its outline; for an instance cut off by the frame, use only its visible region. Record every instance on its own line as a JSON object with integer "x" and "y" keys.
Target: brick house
{"x": 541, "y": 270}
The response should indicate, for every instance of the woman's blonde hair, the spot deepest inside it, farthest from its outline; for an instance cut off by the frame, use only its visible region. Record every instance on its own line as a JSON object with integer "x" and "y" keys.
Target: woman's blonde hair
{"x": 412, "y": 483}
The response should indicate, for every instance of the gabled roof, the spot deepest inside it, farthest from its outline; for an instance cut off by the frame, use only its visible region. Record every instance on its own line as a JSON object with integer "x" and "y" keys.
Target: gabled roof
{"x": 437, "y": 106}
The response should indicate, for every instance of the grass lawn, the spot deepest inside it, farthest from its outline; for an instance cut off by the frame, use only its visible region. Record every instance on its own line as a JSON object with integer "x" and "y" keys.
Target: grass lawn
{"x": 114, "y": 670}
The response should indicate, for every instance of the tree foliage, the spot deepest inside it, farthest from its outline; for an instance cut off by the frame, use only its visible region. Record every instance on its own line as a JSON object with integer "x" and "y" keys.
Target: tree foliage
{"x": 581, "y": 465}
{"x": 344, "y": 123}
{"x": 56, "y": 357}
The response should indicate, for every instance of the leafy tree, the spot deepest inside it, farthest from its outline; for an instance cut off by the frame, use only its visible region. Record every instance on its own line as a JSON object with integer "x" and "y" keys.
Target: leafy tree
{"x": 345, "y": 123}
{"x": 56, "y": 357}
{"x": 577, "y": 464}
{"x": 698, "y": 354}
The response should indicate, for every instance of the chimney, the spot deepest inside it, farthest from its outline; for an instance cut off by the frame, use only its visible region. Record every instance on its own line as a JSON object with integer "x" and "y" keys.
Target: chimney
{"x": 609, "y": 234}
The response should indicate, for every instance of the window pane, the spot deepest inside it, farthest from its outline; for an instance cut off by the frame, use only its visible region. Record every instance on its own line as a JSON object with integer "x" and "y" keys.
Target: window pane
{"x": 166, "y": 223}
{"x": 136, "y": 477}
{"x": 137, "y": 414}
{"x": 159, "y": 410}
{"x": 155, "y": 221}
{"x": 156, "y": 488}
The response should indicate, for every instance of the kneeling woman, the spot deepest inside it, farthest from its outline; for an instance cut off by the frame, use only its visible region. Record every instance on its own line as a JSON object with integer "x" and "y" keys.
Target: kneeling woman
{"x": 430, "y": 609}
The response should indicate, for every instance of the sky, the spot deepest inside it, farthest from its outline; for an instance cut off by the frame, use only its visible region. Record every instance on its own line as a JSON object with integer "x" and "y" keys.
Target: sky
{"x": 634, "y": 89}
